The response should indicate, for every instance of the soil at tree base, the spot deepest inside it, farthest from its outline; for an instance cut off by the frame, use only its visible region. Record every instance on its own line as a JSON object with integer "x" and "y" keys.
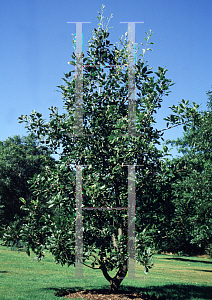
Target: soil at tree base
{"x": 105, "y": 295}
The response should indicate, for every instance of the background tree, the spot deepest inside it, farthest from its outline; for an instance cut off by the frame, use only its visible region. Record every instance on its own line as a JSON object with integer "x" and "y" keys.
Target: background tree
{"x": 103, "y": 150}
{"x": 192, "y": 189}
{"x": 20, "y": 160}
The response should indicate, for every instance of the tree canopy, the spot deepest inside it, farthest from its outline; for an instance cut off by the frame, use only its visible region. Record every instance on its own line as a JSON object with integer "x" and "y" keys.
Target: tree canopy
{"x": 105, "y": 149}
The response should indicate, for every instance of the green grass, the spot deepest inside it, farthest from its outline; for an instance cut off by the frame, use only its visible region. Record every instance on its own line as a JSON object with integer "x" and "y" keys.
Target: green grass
{"x": 176, "y": 278}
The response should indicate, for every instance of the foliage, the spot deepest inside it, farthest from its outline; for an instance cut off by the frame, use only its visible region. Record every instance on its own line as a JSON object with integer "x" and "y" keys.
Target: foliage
{"x": 103, "y": 150}
{"x": 20, "y": 160}
{"x": 192, "y": 189}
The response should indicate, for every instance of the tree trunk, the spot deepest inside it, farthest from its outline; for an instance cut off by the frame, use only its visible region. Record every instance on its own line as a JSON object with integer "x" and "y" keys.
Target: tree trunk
{"x": 114, "y": 285}
{"x": 117, "y": 279}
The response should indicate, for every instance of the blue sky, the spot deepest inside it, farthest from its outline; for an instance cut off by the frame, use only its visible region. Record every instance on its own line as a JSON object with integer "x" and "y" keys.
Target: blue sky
{"x": 36, "y": 44}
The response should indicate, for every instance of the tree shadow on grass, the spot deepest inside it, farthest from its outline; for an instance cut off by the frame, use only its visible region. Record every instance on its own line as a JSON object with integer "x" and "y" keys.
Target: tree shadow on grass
{"x": 175, "y": 291}
{"x": 3, "y": 272}
{"x": 202, "y": 270}
{"x": 103, "y": 293}
{"x": 187, "y": 259}
{"x": 166, "y": 292}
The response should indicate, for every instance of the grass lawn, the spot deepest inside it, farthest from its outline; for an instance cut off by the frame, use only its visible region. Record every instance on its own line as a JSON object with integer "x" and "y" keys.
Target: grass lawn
{"x": 176, "y": 278}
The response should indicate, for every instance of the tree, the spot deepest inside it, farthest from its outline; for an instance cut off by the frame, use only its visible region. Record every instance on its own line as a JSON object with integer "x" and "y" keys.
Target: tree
{"x": 104, "y": 149}
{"x": 20, "y": 160}
{"x": 192, "y": 189}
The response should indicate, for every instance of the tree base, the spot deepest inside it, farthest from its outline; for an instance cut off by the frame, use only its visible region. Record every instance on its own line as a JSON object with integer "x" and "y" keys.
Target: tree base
{"x": 105, "y": 295}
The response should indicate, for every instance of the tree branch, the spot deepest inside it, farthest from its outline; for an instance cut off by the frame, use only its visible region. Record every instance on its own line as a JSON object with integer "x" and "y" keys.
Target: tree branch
{"x": 90, "y": 266}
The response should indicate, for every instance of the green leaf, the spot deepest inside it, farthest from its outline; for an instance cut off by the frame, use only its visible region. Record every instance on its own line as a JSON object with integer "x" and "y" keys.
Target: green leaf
{"x": 72, "y": 63}
{"x": 22, "y": 200}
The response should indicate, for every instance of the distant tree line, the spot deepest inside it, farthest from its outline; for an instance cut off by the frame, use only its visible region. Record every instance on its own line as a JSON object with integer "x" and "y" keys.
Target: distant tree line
{"x": 21, "y": 159}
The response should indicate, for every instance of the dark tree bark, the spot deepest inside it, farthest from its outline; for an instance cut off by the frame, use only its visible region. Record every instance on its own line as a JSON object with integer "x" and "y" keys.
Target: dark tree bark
{"x": 117, "y": 279}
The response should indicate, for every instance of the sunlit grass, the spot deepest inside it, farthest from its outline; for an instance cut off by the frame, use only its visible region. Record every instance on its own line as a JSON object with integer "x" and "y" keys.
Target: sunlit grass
{"x": 22, "y": 277}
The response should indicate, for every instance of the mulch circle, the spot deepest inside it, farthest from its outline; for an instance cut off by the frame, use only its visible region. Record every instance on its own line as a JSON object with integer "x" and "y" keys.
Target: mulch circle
{"x": 105, "y": 295}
